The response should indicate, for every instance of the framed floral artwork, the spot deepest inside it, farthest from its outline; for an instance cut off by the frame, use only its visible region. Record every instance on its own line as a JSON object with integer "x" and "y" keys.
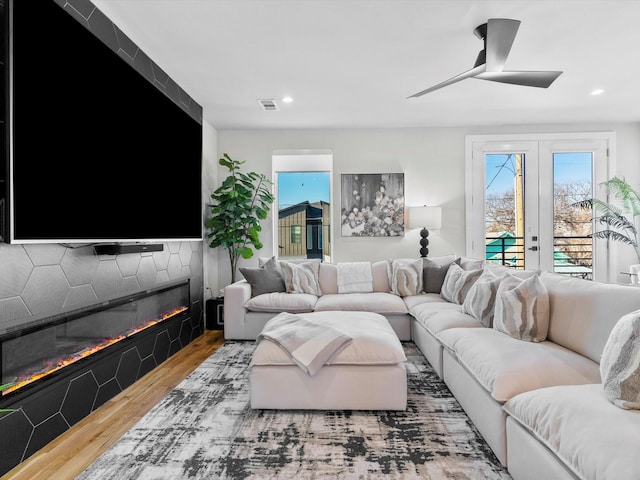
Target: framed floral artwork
{"x": 372, "y": 204}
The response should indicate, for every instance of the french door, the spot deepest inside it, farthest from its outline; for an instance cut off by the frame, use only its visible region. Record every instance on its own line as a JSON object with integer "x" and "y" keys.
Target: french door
{"x": 520, "y": 191}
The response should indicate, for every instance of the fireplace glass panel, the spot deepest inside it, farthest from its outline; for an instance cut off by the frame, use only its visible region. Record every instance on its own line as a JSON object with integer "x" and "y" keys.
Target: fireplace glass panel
{"x": 55, "y": 343}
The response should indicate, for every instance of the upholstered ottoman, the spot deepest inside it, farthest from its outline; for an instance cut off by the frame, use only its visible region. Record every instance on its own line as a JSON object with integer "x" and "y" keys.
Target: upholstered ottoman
{"x": 367, "y": 374}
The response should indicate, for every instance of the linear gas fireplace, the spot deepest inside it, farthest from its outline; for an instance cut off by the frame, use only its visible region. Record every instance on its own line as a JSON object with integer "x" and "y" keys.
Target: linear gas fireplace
{"x": 63, "y": 367}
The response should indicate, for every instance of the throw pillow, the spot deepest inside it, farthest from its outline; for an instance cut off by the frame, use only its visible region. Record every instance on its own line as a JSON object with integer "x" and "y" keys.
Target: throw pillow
{"x": 433, "y": 273}
{"x": 405, "y": 277}
{"x": 481, "y": 298}
{"x": 620, "y": 363}
{"x": 354, "y": 277}
{"x": 264, "y": 280}
{"x": 301, "y": 277}
{"x": 457, "y": 283}
{"x": 522, "y": 308}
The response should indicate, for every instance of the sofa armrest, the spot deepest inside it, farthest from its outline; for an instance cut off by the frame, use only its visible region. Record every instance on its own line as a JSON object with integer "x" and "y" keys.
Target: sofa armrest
{"x": 235, "y": 297}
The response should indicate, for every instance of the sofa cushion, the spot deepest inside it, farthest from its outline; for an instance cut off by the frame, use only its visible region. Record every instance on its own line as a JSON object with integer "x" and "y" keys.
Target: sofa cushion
{"x": 301, "y": 277}
{"x": 582, "y": 313}
{"x": 377, "y": 302}
{"x": 328, "y": 278}
{"x": 620, "y": 363}
{"x": 457, "y": 283}
{"x": 481, "y": 298}
{"x": 577, "y": 423}
{"x": 405, "y": 276}
{"x": 265, "y": 279}
{"x": 414, "y": 300}
{"x": 522, "y": 308}
{"x": 438, "y": 317}
{"x": 282, "y": 302}
{"x": 380, "y": 277}
{"x": 434, "y": 271}
{"x": 506, "y": 367}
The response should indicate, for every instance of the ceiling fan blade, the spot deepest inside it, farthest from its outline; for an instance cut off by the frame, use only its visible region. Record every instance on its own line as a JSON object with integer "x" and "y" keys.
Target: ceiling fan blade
{"x": 501, "y": 32}
{"x": 469, "y": 73}
{"x": 527, "y": 79}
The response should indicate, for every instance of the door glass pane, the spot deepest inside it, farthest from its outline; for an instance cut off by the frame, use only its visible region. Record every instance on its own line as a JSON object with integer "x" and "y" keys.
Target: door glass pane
{"x": 572, "y": 226}
{"x": 504, "y": 209}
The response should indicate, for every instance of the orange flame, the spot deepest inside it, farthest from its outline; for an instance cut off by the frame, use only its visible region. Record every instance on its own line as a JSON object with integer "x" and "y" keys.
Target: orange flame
{"x": 61, "y": 363}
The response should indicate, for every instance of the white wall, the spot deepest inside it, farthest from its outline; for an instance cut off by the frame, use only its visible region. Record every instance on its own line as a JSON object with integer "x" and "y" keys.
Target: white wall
{"x": 432, "y": 160}
{"x": 209, "y": 184}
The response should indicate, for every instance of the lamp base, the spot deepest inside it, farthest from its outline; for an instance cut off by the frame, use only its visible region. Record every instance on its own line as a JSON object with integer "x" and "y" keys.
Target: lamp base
{"x": 424, "y": 242}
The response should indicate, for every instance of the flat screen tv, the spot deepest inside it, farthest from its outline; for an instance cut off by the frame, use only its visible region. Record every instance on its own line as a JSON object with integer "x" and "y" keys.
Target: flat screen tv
{"x": 94, "y": 152}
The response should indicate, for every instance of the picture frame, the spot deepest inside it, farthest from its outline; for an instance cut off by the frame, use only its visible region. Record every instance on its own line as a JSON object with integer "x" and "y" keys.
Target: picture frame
{"x": 372, "y": 205}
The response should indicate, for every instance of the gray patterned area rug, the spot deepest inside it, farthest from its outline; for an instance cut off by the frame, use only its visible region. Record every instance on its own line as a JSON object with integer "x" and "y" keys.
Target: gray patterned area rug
{"x": 205, "y": 429}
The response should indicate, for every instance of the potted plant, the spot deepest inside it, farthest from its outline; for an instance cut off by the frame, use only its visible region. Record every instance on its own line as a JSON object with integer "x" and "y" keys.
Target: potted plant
{"x": 239, "y": 204}
{"x": 619, "y": 221}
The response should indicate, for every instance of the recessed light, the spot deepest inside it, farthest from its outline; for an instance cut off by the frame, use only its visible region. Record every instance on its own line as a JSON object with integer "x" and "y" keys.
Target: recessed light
{"x": 287, "y": 99}
{"x": 597, "y": 91}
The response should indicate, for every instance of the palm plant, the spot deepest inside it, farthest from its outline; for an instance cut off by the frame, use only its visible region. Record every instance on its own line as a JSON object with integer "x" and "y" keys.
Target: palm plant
{"x": 240, "y": 203}
{"x": 619, "y": 221}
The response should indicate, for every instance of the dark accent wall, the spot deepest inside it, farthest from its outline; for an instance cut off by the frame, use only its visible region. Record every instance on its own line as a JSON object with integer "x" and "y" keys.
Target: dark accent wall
{"x": 97, "y": 22}
{"x": 46, "y": 279}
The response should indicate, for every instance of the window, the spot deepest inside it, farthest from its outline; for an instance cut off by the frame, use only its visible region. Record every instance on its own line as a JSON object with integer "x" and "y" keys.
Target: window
{"x": 296, "y": 233}
{"x": 520, "y": 195}
{"x": 303, "y": 198}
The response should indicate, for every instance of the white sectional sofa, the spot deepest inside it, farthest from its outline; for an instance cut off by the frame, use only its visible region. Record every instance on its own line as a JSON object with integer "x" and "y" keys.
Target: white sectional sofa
{"x": 536, "y": 397}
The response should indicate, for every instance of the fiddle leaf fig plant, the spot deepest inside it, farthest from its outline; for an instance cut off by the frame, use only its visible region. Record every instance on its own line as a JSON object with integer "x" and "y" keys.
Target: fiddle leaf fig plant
{"x": 619, "y": 220}
{"x": 239, "y": 204}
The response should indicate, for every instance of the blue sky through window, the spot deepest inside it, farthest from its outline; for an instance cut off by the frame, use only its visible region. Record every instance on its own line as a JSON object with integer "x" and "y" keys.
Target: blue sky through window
{"x": 568, "y": 168}
{"x": 296, "y": 187}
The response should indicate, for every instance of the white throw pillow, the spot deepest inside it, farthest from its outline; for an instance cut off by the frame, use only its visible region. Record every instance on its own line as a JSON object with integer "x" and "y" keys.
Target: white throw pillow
{"x": 522, "y": 308}
{"x": 457, "y": 283}
{"x": 405, "y": 276}
{"x": 480, "y": 301}
{"x": 301, "y": 277}
{"x": 354, "y": 277}
{"x": 620, "y": 363}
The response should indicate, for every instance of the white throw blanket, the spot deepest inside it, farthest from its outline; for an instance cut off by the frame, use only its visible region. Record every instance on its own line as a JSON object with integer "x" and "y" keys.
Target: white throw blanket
{"x": 355, "y": 277}
{"x": 309, "y": 344}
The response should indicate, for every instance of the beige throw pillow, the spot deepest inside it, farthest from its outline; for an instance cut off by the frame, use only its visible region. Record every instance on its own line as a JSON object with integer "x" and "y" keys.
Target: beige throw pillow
{"x": 405, "y": 276}
{"x": 301, "y": 277}
{"x": 620, "y": 363}
{"x": 522, "y": 308}
{"x": 481, "y": 299}
{"x": 457, "y": 283}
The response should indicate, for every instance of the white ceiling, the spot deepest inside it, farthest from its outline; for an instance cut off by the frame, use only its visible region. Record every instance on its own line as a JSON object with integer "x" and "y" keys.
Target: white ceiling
{"x": 352, "y": 63}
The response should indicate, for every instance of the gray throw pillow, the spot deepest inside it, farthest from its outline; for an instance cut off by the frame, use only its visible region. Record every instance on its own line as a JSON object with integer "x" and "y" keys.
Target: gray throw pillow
{"x": 433, "y": 274}
{"x": 265, "y": 279}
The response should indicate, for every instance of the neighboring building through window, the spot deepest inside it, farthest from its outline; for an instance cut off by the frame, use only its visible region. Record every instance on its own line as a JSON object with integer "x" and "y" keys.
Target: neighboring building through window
{"x": 302, "y": 186}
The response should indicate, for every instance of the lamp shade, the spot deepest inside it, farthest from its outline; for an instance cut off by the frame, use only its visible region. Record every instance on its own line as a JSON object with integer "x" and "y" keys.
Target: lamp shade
{"x": 425, "y": 217}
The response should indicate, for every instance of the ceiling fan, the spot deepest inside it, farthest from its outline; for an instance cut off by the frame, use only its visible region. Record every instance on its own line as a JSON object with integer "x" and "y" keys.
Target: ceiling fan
{"x": 498, "y": 35}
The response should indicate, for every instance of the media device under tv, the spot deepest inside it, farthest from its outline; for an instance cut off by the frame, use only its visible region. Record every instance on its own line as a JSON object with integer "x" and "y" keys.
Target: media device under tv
{"x": 94, "y": 151}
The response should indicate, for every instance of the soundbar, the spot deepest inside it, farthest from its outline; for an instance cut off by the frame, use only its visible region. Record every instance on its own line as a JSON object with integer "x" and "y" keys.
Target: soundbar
{"x": 114, "y": 249}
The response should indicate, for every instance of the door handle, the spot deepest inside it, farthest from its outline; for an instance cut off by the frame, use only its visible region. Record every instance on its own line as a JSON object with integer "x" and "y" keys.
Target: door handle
{"x": 533, "y": 249}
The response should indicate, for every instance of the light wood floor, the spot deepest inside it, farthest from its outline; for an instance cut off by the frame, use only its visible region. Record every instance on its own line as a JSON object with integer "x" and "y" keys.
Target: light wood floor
{"x": 69, "y": 454}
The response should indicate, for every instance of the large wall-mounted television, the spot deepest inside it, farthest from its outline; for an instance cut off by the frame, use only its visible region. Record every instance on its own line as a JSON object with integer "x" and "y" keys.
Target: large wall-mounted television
{"x": 94, "y": 151}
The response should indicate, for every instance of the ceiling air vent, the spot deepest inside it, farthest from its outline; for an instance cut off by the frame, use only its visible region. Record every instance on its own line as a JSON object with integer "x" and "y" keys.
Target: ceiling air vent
{"x": 268, "y": 105}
